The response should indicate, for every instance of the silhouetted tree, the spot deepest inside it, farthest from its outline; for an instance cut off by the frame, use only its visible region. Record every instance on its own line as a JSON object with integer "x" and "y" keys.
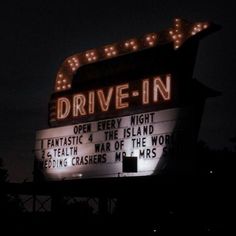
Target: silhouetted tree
{"x": 3, "y": 173}
{"x": 9, "y": 204}
{"x": 220, "y": 162}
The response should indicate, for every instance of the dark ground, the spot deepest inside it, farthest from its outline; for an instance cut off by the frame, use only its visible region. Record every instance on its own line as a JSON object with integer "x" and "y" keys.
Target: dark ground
{"x": 201, "y": 204}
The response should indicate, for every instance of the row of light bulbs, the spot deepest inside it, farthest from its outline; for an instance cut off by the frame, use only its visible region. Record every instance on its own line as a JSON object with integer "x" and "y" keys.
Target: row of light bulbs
{"x": 178, "y": 34}
{"x": 73, "y": 63}
{"x": 199, "y": 27}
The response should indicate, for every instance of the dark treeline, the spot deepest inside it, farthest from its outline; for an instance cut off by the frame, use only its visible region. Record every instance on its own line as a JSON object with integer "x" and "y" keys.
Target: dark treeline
{"x": 218, "y": 162}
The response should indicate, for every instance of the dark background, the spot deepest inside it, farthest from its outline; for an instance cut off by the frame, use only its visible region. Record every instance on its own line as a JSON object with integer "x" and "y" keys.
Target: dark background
{"x": 36, "y": 36}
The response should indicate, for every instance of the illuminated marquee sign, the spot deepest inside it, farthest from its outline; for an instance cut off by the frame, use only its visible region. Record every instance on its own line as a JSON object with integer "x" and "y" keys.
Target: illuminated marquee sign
{"x": 148, "y": 91}
{"x": 97, "y": 149}
{"x": 123, "y": 109}
{"x": 179, "y": 33}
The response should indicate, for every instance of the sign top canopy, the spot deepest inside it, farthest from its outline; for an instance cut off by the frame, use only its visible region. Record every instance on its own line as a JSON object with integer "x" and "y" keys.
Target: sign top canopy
{"x": 180, "y": 32}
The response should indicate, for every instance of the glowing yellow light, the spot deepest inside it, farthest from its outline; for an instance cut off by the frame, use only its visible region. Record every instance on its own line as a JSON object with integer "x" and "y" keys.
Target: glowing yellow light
{"x": 145, "y": 98}
{"x": 58, "y": 81}
{"x": 60, "y": 75}
{"x": 152, "y": 38}
{"x": 205, "y": 26}
{"x": 64, "y": 80}
{"x": 131, "y": 44}
{"x": 170, "y": 32}
{"x": 90, "y": 56}
{"x": 104, "y": 101}
{"x": 63, "y": 107}
{"x": 68, "y": 85}
{"x": 58, "y": 88}
{"x": 120, "y": 104}
{"x": 161, "y": 89}
{"x": 63, "y": 86}
{"x": 110, "y": 51}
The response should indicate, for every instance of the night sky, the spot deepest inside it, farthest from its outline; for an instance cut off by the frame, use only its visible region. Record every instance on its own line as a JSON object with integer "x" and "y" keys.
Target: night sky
{"x": 36, "y": 37}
